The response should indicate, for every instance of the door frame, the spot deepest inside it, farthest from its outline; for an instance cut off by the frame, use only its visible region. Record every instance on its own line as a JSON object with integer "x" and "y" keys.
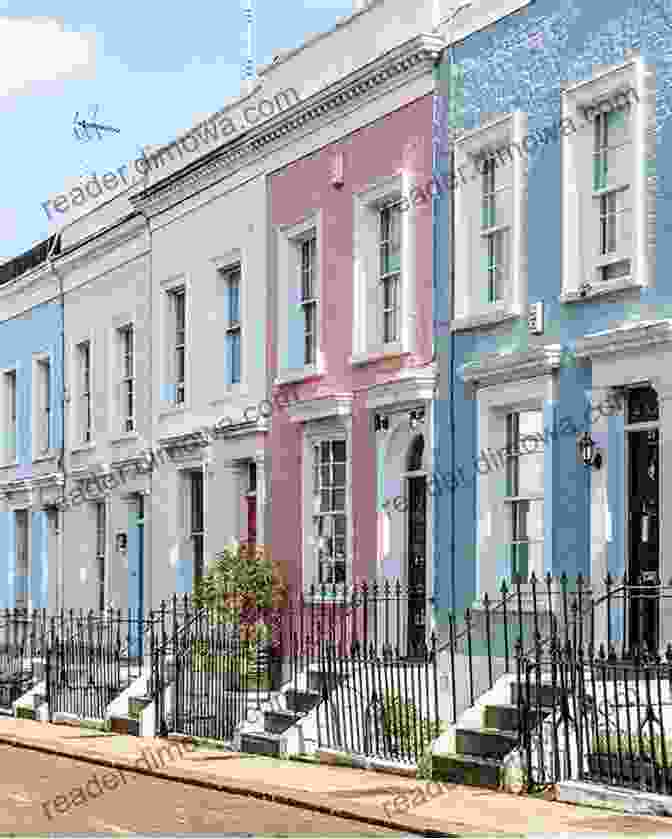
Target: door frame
{"x": 406, "y": 478}
{"x": 629, "y": 429}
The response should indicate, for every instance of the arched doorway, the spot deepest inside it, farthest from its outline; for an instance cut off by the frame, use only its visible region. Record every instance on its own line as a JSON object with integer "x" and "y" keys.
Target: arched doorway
{"x": 416, "y": 555}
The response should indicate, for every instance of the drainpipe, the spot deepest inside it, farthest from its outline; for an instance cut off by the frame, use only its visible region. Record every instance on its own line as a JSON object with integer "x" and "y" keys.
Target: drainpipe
{"x": 147, "y": 533}
{"x": 60, "y": 514}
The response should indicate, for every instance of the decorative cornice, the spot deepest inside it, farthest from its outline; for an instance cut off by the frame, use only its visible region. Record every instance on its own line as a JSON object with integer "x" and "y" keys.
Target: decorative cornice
{"x": 499, "y": 368}
{"x": 631, "y": 337}
{"x": 19, "y": 285}
{"x": 416, "y": 386}
{"x": 405, "y": 63}
{"x": 106, "y": 241}
{"x": 32, "y": 485}
{"x": 323, "y": 407}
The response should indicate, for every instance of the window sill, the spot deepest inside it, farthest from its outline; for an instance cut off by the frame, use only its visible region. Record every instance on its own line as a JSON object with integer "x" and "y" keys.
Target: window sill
{"x": 45, "y": 456}
{"x": 606, "y": 190}
{"x": 497, "y": 228}
{"x": 233, "y": 392}
{"x": 172, "y": 412}
{"x": 393, "y": 351}
{"x": 126, "y": 437}
{"x": 599, "y": 289}
{"x": 301, "y": 374}
{"x": 500, "y": 313}
{"x": 83, "y": 447}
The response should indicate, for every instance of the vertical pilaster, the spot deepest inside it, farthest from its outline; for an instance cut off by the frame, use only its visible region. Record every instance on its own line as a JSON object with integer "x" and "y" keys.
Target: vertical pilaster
{"x": 263, "y": 506}
{"x": 229, "y": 508}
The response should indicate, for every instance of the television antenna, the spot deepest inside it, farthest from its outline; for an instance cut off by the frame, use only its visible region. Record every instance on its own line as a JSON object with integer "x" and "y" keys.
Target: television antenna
{"x": 248, "y": 71}
{"x": 81, "y": 127}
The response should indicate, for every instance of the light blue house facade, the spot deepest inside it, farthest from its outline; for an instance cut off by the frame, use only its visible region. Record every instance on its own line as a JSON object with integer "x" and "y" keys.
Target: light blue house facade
{"x": 559, "y": 321}
{"x": 31, "y": 390}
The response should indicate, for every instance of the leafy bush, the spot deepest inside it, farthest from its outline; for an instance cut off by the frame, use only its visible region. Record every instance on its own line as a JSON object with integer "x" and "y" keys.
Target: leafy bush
{"x": 650, "y": 751}
{"x": 244, "y": 587}
{"x": 404, "y": 725}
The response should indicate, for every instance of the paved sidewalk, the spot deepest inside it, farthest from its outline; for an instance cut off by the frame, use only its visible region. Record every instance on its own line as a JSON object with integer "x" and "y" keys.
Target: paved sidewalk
{"x": 367, "y": 796}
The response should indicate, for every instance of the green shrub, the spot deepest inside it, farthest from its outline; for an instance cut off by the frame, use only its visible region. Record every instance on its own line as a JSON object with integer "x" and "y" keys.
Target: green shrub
{"x": 404, "y": 725}
{"x": 633, "y": 747}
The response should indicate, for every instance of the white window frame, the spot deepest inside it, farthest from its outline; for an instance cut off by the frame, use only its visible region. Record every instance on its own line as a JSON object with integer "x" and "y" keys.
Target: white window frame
{"x": 580, "y": 102}
{"x": 179, "y": 294}
{"x": 494, "y": 404}
{"x": 84, "y": 396}
{"x": 309, "y": 300}
{"x": 501, "y": 138}
{"x": 42, "y": 447}
{"x": 289, "y": 241}
{"x": 235, "y": 327}
{"x": 27, "y": 511}
{"x": 313, "y": 434}
{"x": 168, "y": 368}
{"x": 127, "y": 422}
{"x": 367, "y": 329}
{"x": 389, "y": 279}
{"x": 10, "y": 425}
{"x": 104, "y": 554}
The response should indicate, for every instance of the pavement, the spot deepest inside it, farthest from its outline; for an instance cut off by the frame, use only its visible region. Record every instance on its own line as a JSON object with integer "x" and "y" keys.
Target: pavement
{"x": 371, "y": 797}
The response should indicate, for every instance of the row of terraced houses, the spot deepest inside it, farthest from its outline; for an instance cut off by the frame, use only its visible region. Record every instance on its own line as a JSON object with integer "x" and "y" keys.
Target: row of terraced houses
{"x": 417, "y": 326}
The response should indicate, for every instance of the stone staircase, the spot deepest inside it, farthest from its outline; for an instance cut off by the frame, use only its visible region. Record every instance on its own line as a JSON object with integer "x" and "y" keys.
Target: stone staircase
{"x": 130, "y": 723}
{"x": 291, "y": 706}
{"x": 479, "y": 751}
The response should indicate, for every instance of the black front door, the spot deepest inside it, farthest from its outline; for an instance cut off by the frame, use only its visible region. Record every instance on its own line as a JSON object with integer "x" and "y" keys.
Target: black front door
{"x": 417, "y": 555}
{"x": 643, "y": 535}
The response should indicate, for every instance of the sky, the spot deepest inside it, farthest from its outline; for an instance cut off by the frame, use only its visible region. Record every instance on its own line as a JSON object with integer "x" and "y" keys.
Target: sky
{"x": 152, "y": 68}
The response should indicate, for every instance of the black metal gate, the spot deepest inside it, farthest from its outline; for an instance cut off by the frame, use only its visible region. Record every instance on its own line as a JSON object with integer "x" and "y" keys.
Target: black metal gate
{"x": 83, "y": 677}
{"x": 378, "y": 703}
{"x": 208, "y": 675}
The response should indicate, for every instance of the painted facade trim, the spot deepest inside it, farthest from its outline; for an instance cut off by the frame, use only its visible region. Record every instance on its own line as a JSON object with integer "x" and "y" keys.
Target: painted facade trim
{"x": 324, "y": 407}
{"x": 632, "y": 337}
{"x": 494, "y": 369}
{"x": 400, "y": 66}
{"x": 418, "y": 387}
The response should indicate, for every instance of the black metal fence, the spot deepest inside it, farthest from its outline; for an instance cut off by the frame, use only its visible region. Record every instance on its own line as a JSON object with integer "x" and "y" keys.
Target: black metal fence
{"x": 23, "y": 643}
{"x": 597, "y": 705}
{"x": 479, "y": 644}
{"x": 374, "y": 688}
{"x": 92, "y": 657}
{"x": 344, "y": 654}
{"x": 209, "y": 670}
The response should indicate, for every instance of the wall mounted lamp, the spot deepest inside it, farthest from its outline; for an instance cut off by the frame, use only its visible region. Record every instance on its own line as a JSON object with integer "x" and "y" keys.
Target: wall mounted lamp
{"x": 416, "y": 418}
{"x": 590, "y": 454}
{"x": 381, "y": 422}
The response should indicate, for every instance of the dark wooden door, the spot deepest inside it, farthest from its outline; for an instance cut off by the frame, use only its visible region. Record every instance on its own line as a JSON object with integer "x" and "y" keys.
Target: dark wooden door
{"x": 417, "y": 568}
{"x": 644, "y": 524}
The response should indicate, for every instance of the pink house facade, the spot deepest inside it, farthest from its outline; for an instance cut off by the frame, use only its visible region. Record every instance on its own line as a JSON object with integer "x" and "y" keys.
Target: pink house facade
{"x": 352, "y": 337}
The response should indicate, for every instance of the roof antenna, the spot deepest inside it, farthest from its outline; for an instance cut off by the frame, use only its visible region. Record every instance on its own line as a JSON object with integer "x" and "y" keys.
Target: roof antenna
{"x": 248, "y": 71}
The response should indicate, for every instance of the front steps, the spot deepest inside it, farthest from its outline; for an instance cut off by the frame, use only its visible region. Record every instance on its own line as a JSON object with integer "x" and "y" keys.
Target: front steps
{"x": 478, "y": 749}
{"x": 278, "y": 729}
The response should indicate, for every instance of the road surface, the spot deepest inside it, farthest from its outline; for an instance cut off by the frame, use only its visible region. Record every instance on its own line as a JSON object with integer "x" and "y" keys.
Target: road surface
{"x": 41, "y": 793}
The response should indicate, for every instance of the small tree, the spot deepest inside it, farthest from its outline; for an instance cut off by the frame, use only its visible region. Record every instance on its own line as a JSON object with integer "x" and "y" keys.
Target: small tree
{"x": 244, "y": 586}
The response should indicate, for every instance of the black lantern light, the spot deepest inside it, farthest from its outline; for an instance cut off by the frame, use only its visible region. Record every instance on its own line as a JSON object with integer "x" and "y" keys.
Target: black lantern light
{"x": 415, "y": 418}
{"x": 589, "y": 455}
{"x": 381, "y": 422}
